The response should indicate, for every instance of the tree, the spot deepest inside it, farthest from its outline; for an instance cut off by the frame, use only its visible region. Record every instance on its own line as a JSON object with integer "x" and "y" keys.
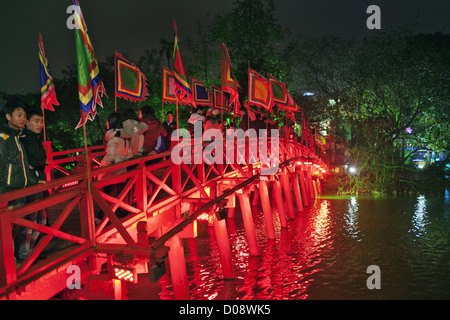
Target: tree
{"x": 252, "y": 35}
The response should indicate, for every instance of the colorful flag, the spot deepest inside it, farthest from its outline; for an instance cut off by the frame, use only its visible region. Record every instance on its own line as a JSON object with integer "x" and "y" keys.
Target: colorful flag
{"x": 281, "y": 96}
{"x": 168, "y": 86}
{"x": 220, "y": 98}
{"x": 130, "y": 81}
{"x": 229, "y": 82}
{"x": 200, "y": 93}
{"x": 320, "y": 139}
{"x": 90, "y": 84}
{"x": 183, "y": 91}
{"x": 48, "y": 93}
{"x": 259, "y": 90}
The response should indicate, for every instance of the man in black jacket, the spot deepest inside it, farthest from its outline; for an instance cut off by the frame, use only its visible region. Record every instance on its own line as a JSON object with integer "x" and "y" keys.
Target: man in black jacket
{"x": 37, "y": 158}
{"x": 15, "y": 171}
{"x": 14, "y": 167}
{"x": 31, "y": 139}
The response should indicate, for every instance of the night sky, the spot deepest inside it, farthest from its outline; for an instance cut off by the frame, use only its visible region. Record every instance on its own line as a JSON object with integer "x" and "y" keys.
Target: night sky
{"x": 134, "y": 26}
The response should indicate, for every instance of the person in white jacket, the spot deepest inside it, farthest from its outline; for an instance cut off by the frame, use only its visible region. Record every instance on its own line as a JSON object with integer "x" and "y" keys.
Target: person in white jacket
{"x": 133, "y": 129}
{"x": 117, "y": 148}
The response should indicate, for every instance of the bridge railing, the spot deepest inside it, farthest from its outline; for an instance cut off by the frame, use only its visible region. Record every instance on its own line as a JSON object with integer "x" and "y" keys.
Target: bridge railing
{"x": 151, "y": 188}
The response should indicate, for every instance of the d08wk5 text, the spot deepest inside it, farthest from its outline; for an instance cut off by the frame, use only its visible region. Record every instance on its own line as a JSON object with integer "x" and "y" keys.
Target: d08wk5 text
{"x": 246, "y": 309}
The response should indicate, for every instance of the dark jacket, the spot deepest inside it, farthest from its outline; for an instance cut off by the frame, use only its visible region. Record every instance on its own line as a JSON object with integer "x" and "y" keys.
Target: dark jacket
{"x": 170, "y": 127}
{"x": 36, "y": 154}
{"x": 14, "y": 167}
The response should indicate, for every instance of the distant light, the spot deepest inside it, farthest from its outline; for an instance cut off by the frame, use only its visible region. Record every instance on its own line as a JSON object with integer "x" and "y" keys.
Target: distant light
{"x": 352, "y": 170}
{"x": 308, "y": 94}
{"x": 409, "y": 130}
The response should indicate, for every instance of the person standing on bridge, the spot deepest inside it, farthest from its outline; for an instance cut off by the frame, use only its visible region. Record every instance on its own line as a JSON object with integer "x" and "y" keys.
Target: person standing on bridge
{"x": 116, "y": 147}
{"x": 170, "y": 126}
{"x": 37, "y": 159}
{"x": 133, "y": 130}
{"x": 15, "y": 171}
{"x": 155, "y": 133}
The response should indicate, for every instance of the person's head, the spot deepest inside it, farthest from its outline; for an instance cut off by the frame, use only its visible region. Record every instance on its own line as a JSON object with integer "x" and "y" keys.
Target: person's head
{"x": 115, "y": 121}
{"x": 129, "y": 113}
{"x": 15, "y": 113}
{"x": 35, "y": 121}
{"x": 169, "y": 116}
{"x": 146, "y": 112}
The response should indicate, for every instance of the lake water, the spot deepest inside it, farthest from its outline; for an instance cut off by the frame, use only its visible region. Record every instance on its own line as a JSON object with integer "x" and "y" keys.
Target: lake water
{"x": 325, "y": 252}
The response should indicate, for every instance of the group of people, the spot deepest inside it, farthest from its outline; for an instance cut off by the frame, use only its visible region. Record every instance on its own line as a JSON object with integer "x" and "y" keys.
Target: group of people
{"x": 22, "y": 164}
{"x": 208, "y": 122}
{"x": 249, "y": 120}
{"x": 129, "y": 136}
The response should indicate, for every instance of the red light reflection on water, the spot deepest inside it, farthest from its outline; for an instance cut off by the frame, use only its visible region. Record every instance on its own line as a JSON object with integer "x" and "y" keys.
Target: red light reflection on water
{"x": 284, "y": 270}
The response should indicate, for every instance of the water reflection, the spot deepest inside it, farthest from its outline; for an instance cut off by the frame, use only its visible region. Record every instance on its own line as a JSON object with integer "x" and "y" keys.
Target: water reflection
{"x": 420, "y": 216}
{"x": 352, "y": 218}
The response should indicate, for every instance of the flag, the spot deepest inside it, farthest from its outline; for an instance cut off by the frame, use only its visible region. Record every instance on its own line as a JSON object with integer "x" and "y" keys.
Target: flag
{"x": 229, "y": 82}
{"x": 320, "y": 139}
{"x": 183, "y": 91}
{"x": 130, "y": 81}
{"x": 280, "y": 94}
{"x": 90, "y": 84}
{"x": 217, "y": 99}
{"x": 200, "y": 93}
{"x": 281, "y": 97}
{"x": 48, "y": 93}
{"x": 259, "y": 90}
{"x": 168, "y": 86}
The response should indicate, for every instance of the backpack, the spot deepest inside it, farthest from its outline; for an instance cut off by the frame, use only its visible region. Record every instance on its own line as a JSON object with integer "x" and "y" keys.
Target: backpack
{"x": 160, "y": 146}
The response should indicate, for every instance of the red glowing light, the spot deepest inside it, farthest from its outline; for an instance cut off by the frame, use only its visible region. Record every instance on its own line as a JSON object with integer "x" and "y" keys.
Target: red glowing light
{"x": 69, "y": 184}
{"x": 125, "y": 274}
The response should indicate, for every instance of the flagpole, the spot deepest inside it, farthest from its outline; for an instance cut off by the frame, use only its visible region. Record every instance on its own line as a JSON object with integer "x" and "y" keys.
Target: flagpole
{"x": 177, "y": 114}
{"x": 115, "y": 82}
{"x": 43, "y": 120}
{"x": 88, "y": 183}
{"x": 221, "y": 89}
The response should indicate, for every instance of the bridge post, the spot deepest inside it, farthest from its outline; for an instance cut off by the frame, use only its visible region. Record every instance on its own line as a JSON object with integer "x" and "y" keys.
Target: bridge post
{"x": 248, "y": 221}
{"x": 231, "y": 212}
{"x": 280, "y": 203}
{"x": 8, "y": 273}
{"x": 316, "y": 191}
{"x": 223, "y": 243}
{"x": 141, "y": 188}
{"x": 310, "y": 182}
{"x": 87, "y": 215}
{"x": 298, "y": 196}
{"x": 265, "y": 202}
{"x": 305, "y": 197}
{"x": 176, "y": 186}
{"x": 307, "y": 183}
{"x": 287, "y": 193}
{"x": 178, "y": 271}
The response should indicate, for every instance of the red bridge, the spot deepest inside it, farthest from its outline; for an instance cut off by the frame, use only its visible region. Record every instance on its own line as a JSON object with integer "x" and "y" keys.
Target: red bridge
{"x": 159, "y": 204}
